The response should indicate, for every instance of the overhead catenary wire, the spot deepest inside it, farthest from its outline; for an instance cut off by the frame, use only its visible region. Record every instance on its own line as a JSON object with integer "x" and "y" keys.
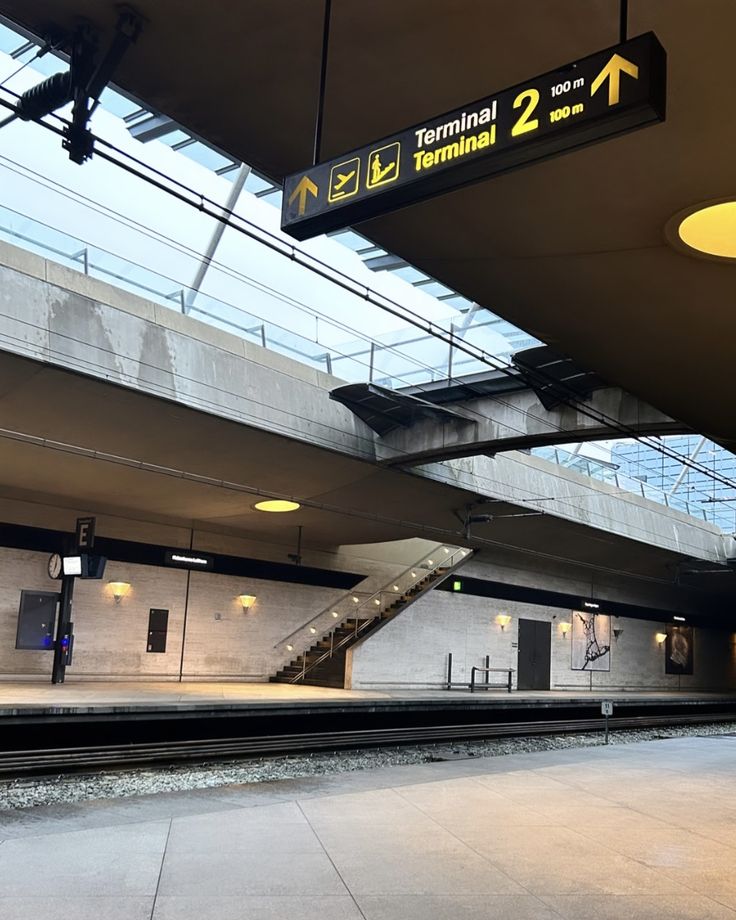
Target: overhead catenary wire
{"x": 203, "y": 203}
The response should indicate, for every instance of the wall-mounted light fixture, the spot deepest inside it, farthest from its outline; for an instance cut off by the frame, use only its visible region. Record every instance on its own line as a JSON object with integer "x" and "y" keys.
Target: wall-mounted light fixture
{"x": 356, "y": 600}
{"x": 313, "y": 630}
{"x": 335, "y": 614}
{"x": 565, "y": 628}
{"x": 247, "y": 600}
{"x": 289, "y": 648}
{"x": 617, "y": 631}
{"x": 503, "y": 620}
{"x": 679, "y": 619}
{"x": 660, "y": 637}
{"x": 591, "y": 605}
{"x": 118, "y": 589}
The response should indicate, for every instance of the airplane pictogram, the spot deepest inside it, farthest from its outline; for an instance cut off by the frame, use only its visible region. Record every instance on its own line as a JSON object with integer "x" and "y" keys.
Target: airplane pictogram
{"x": 344, "y": 180}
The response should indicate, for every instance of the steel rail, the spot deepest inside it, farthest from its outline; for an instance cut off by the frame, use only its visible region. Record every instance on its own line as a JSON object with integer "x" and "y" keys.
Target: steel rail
{"x": 77, "y": 759}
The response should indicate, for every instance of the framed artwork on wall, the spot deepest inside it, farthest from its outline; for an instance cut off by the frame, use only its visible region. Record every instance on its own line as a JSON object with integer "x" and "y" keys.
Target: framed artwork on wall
{"x": 591, "y": 641}
{"x": 678, "y": 650}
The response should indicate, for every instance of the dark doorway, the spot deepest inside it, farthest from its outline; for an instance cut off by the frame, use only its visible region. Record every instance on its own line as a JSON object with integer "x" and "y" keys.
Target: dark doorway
{"x": 158, "y": 624}
{"x": 535, "y": 641}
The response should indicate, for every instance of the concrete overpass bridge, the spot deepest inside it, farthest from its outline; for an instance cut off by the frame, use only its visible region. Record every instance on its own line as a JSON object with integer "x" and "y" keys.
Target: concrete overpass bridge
{"x": 114, "y": 402}
{"x": 494, "y": 413}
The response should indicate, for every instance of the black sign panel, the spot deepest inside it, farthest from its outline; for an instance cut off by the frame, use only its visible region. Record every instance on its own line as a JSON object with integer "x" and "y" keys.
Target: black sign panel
{"x": 36, "y": 619}
{"x": 598, "y": 97}
{"x": 189, "y": 559}
{"x": 85, "y": 533}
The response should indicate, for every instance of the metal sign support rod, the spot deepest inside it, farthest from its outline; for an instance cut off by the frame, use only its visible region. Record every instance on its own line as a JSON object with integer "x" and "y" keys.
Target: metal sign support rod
{"x": 623, "y": 22}
{"x": 322, "y": 84}
{"x": 61, "y": 647}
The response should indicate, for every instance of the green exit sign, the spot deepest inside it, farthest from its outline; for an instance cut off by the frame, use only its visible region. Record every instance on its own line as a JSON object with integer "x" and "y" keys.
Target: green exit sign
{"x": 457, "y": 586}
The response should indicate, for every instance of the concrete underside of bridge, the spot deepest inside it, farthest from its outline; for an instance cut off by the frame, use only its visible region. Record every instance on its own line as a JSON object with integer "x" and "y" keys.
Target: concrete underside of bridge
{"x": 518, "y": 421}
{"x": 602, "y": 284}
{"x": 115, "y": 405}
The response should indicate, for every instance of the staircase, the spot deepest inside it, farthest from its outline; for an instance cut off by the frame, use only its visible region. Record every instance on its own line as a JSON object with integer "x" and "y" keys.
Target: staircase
{"x": 323, "y": 664}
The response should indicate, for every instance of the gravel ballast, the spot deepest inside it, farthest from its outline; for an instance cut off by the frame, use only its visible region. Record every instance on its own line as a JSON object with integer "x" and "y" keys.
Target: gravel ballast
{"x": 68, "y": 789}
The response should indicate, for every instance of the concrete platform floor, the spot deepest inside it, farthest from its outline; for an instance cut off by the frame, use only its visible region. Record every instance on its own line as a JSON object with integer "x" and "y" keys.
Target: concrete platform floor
{"x": 85, "y": 695}
{"x": 632, "y": 832}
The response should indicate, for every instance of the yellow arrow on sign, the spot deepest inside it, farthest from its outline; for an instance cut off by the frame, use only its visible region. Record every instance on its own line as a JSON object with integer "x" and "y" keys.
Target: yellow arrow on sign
{"x": 304, "y": 187}
{"x": 612, "y": 72}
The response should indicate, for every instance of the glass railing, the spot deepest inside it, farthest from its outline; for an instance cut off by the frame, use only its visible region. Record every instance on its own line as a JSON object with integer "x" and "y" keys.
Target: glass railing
{"x": 406, "y": 357}
{"x": 723, "y": 517}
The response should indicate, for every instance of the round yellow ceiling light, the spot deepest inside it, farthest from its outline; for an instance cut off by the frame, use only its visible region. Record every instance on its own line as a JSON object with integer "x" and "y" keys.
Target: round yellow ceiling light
{"x": 277, "y": 505}
{"x": 709, "y": 231}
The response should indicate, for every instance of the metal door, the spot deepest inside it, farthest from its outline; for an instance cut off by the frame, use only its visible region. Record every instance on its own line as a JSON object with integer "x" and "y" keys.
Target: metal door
{"x": 535, "y": 639}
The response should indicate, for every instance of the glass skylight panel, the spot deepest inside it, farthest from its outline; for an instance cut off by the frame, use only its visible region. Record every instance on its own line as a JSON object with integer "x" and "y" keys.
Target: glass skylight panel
{"x": 47, "y": 65}
{"x": 460, "y": 303}
{"x": 255, "y": 183}
{"x": 9, "y": 40}
{"x": 434, "y": 288}
{"x": 176, "y": 136}
{"x": 410, "y": 274}
{"x": 351, "y": 239}
{"x": 205, "y": 156}
{"x": 23, "y": 48}
{"x": 114, "y": 102}
{"x": 229, "y": 170}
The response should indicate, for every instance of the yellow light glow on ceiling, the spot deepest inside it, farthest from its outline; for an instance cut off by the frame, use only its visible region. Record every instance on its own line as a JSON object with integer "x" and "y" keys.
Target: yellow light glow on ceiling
{"x": 711, "y": 230}
{"x": 277, "y": 505}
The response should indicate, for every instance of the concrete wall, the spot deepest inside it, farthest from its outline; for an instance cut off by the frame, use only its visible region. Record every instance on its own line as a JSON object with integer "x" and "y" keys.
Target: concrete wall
{"x": 412, "y": 650}
{"x": 222, "y": 641}
{"x": 111, "y": 639}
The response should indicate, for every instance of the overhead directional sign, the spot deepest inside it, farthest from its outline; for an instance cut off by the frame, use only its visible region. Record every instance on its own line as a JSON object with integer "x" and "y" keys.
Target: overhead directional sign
{"x": 598, "y": 97}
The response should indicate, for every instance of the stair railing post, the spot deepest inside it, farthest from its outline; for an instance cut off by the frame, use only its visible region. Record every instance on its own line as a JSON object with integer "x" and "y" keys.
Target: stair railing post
{"x": 449, "y": 670}
{"x": 332, "y": 642}
{"x": 304, "y": 666}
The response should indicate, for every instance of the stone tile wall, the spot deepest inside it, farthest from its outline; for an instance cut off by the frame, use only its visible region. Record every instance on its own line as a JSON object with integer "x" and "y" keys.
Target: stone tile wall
{"x": 412, "y": 650}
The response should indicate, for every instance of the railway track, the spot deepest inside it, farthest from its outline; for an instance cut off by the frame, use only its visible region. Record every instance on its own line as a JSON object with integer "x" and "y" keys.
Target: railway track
{"x": 79, "y": 758}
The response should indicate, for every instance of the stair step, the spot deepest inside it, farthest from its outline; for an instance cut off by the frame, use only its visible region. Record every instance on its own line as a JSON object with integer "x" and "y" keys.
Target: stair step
{"x": 328, "y": 670}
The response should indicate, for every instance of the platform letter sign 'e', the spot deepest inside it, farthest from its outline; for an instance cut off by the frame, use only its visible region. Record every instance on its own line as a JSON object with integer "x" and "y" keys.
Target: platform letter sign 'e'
{"x": 590, "y": 100}
{"x": 85, "y": 533}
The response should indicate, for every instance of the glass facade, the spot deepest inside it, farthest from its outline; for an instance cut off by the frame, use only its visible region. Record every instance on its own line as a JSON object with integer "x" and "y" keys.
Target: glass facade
{"x": 682, "y": 483}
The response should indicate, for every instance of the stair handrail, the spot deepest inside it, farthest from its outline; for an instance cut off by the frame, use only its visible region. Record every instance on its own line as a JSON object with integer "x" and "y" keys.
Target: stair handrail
{"x": 359, "y": 627}
{"x": 445, "y": 560}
